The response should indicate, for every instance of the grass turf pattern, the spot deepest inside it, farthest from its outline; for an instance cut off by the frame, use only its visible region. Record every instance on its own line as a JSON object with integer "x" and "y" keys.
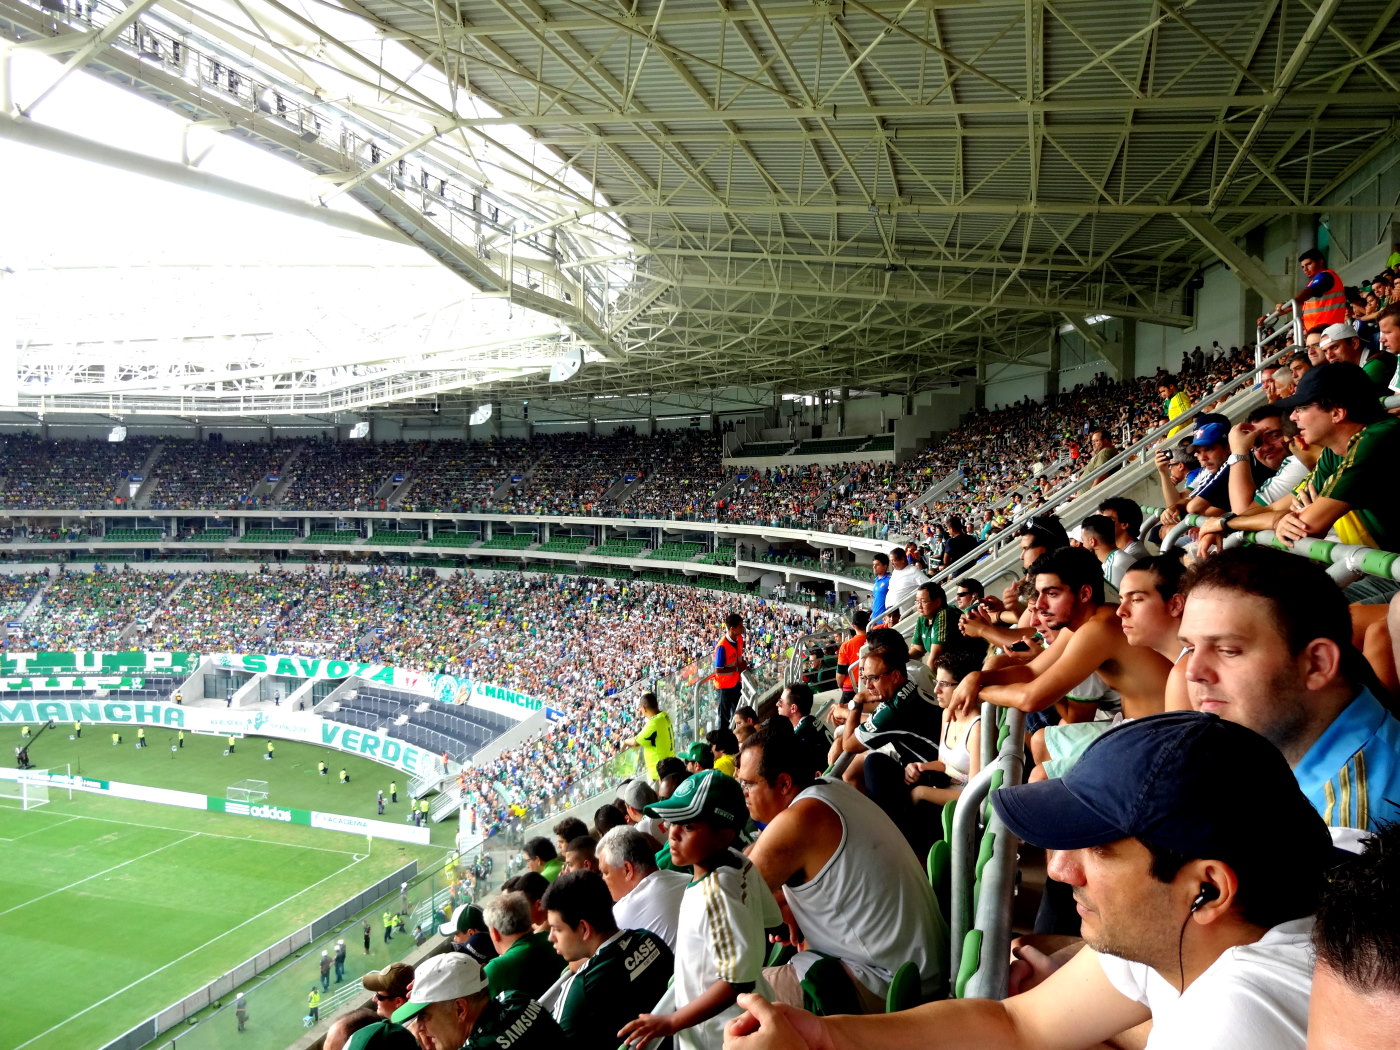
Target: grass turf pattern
{"x": 119, "y": 908}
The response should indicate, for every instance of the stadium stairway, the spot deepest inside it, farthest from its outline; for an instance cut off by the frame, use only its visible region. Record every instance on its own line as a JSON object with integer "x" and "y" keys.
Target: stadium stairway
{"x": 37, "y": 599}
{"x": 1135, "y": 479}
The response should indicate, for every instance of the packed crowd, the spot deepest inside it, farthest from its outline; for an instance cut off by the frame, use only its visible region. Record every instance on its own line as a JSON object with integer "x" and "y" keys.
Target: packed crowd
{"x": 92, "y": 610}
{"x": 67, "y": 475}
{"x": 201, "y": 474}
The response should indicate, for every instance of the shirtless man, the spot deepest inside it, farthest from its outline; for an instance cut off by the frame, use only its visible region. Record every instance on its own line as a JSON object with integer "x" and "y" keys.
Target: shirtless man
{"x": 1090, "y": 640}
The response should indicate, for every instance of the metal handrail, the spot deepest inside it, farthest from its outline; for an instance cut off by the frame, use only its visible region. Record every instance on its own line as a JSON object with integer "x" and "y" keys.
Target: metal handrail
{"x": 963, "y": 846}
{"x": 1069, "y": 488}
{"x": 1353, "y": 558}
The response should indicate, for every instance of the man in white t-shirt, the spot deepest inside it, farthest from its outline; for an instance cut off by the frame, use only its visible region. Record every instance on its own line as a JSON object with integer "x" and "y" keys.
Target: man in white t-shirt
{"x": 1171, "y": 830}
{"x": 905, "y": 578}
{"x": 643, "y": 897}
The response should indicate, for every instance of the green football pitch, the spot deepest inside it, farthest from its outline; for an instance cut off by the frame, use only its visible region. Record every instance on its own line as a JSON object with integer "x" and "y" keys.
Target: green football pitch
{"x": 117, "y": 909}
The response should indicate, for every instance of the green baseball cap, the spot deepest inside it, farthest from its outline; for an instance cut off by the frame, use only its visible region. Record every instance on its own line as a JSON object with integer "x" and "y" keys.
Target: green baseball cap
{"x": 696, "y": 751}
{"x": 707, "y": 794}
{"x": 382, "y": 1035}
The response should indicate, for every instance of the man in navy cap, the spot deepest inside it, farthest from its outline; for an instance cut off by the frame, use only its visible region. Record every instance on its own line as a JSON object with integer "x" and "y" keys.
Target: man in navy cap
{"x": 1172, "y": 831}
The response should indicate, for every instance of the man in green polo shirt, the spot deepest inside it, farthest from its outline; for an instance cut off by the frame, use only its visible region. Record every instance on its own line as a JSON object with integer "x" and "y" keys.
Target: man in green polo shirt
{"x": 931, "y": 628}
{"x": 541, "y": 856}
{"x": 525, "y": 961}
{"x": 623, "y": 974}
{"x": 450, "y": 1006}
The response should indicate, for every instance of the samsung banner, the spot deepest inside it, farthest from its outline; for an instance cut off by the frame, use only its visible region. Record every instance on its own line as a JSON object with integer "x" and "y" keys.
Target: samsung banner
{"x": 289, "y": 725}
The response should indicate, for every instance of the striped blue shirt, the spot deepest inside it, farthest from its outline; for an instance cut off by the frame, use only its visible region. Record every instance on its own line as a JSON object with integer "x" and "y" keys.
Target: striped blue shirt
{"x": 1351, "y": 774}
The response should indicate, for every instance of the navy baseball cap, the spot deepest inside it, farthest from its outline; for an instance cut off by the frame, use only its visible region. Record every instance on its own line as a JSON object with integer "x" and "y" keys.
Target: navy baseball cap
{"x": 1183, "y": 780}
{"x": 1339, "y": 383}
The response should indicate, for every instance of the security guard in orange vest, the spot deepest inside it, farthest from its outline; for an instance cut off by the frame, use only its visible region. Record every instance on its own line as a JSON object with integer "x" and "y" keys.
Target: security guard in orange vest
{"x": 729, "y": 667}
{"x": 1323, "y": 300}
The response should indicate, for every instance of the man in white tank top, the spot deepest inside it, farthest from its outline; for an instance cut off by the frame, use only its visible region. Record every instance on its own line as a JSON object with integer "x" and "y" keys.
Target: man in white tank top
{"x": 842, "y": 872}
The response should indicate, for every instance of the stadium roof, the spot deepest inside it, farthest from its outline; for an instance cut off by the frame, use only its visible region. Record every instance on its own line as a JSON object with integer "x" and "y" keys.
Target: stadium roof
{"x": 802, "y": 194}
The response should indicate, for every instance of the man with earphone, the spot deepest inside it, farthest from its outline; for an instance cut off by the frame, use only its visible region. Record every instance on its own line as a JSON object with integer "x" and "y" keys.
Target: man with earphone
{"x": 1172, "y": 830}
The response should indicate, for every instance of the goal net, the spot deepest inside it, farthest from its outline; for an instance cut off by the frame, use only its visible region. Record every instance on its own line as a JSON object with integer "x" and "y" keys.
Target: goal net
{"x": 248, "y": 791}
{"x": 30, "y": 788}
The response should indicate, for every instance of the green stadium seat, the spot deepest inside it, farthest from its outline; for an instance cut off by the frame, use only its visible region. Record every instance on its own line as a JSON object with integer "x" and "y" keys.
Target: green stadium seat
{"x": 906, "y": 989}
{"x": 827, "y": 989}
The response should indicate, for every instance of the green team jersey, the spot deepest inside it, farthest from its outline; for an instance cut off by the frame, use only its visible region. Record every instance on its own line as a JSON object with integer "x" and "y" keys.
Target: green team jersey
{"x": 514, "y": 1022}
{"x": 931, "y": 630}
{"x": 1381, "y": 368}
{"x": 910, "y": 710}
{"x": 530, "y": 965}
{"x": 1363, "y": 477}
{"x": 625, "y": 978}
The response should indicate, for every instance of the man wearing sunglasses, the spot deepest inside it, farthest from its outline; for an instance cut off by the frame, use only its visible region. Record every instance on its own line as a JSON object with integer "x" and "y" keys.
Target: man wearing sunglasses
{"x": 390, "y": 987}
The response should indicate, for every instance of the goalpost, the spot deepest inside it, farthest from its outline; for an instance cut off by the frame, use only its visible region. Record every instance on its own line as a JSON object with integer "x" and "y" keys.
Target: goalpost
{"x": 32, "y": 787}
{"x": 248, "y": 791}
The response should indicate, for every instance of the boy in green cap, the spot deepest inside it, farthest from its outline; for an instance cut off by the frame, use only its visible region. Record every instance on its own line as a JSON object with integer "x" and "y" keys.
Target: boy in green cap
{"x": 720, "y": 941}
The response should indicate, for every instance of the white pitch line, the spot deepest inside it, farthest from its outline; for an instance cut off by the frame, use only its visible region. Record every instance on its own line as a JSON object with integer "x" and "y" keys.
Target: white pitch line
{"x": 217, "y": 835}
{"x": 104, "y": 871}
{"x": 192, "y": 951}
{"x": 36, "y": 831}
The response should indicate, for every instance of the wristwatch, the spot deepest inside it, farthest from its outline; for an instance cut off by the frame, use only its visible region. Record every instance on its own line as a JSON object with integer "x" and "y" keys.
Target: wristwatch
{"x": 1233, "y": 458}
{"x": 1225, "y": 520}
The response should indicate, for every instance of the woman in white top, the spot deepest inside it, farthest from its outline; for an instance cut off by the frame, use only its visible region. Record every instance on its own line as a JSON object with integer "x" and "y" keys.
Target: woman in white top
{"x": 959, "y": 746}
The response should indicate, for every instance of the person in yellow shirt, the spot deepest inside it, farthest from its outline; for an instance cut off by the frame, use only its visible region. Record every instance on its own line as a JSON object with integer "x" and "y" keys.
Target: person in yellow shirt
{"x": 1175, "y": 403}
{"x": 655, "y": 737}
{"x": 725, "y": 747}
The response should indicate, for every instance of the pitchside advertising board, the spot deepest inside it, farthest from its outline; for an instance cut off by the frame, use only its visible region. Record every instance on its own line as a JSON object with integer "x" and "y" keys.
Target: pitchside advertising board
{"x": 306, "y": 728}
{"x": 380, "y": 829}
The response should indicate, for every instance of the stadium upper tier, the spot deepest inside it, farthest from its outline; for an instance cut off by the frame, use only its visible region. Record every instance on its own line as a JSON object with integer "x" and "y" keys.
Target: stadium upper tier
{"x": 674, "y": 475}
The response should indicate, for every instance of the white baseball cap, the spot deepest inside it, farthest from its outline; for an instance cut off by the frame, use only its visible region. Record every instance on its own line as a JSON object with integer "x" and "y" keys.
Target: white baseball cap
{"x": 1335, "y": 333}
{"x": 452, "y": 975}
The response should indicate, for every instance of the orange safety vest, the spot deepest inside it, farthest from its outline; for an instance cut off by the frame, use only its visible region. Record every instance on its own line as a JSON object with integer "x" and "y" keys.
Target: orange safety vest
{"x": 729, "y": 681}
{"x": 1328, "y": 308}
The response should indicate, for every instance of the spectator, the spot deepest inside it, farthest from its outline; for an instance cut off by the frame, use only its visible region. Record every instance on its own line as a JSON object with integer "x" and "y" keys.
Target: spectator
{"x": 879, "y": 594}
{"x": 1175, "y": 404}
{"x": 1356, "y": 984}
{"x": 390, "y": 987}
{"x": 541, "y": 857}
{"x": 1126, "y": 516}
{"x": 565, "y": 831}
{"x": 1322, "y": 301}
{"x": 340, "y": 1030}
{"x": 1150, "y": 609}
{"x": 606, "y": 817}
{"x": 1269, "y": 646}
{"x": 1096, "y": 535}
{"x": 902, "y": 705}
{"x": 377, "y": 1035}
{"x": 636, "y": 795}
{"x": 820, "y": 844}
{"x": 744, "y": 715}
{"x": 904, "y": 578}
{"x": 1186, "y": 922}
{"x": 451, "y": 1006}
{"x": 644, "y": 898}
{"x": 1089, "y": 640}
{"x": 911, "y": 792}
{"x": 580, "y": 855}
{"x": 725, "y": 747}
{"x": 1340, "y": 342}
{"x": 959, "y": 544}
{"x": 720, "y": 942}
{"x": 933, "y": 628}
{"x": 525, "y": 961}
{"x": 623, "y": 973}
{"x": 848, "y": 655}
{"x": 1102, "y": 449}
{"x": 795, "y": 707}
{"x": 1336, "y": 409}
